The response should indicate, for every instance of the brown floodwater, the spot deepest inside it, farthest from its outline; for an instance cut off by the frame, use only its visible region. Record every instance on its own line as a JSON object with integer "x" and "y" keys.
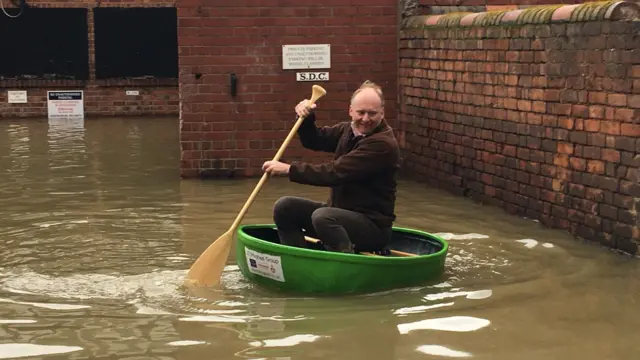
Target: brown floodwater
{"x": 97, "y": 232}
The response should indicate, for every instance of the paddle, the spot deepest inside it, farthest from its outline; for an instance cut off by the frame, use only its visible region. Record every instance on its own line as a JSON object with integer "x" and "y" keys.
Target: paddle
{"x": 207, "y": 269}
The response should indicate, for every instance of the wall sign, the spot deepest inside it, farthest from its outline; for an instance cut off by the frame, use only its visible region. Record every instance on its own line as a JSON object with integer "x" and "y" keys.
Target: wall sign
{"x": 313, "y": 56}
{"x": 312, "y": 76}
{"x": 17, "y": 97}
{"x": 67, "y": 105}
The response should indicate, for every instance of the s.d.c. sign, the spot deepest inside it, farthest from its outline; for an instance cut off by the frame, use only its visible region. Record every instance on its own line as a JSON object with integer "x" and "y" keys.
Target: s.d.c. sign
{"x": 312, "y": 76}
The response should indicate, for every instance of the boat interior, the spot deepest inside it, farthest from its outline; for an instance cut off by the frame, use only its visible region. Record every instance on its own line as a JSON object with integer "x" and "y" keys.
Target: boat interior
{"x": 402, "y": 243}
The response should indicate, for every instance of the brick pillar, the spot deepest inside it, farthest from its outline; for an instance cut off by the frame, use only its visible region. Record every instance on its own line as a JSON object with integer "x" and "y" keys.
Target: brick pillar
{"x": 224, "y": 135}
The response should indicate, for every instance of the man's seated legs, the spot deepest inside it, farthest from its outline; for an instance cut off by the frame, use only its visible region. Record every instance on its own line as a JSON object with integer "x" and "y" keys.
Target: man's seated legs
{"x": 340, "y": 230}
{"x": 292, "y": 214}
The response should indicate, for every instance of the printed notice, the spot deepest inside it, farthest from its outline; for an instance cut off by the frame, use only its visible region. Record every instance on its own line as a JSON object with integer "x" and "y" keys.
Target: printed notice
{"x": 17, "y": 97}
{"x": 65, "y": 105}
{"x": 315, "y": 56}
{"x": 265, "y": 265}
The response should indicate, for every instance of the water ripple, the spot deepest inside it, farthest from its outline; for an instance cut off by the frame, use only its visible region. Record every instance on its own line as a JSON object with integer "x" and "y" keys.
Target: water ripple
{"x": 12, "y": 351}
{"x": 288, "y": 341}
{"x": 453, "y": 323}
{"x": 440, "y": 350}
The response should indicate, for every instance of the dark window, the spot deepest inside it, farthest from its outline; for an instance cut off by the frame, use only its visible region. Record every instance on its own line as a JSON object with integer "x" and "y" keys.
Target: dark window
{"x": 136, "y": 42}
{"x": 44, "y": 43}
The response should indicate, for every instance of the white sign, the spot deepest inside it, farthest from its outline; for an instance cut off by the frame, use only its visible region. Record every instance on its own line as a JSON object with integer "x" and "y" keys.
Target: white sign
{"x": 133, "y": 92}
{"x": 65, "y": 104}
{"x": 17, "y": 97}
{"x": 265, "y": 265}
{"x": 312, "y": 76}
{"x": 316, "y": 56}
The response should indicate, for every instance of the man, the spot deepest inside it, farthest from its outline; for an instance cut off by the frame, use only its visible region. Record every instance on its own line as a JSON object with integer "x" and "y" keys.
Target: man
{"x": 360, "y": 209}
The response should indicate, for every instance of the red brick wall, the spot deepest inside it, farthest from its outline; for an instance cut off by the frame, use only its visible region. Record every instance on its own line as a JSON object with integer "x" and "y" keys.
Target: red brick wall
{"x": 226, "y": 136}
{"x": 542, "y": 119}
{"x": 102, "y": 97}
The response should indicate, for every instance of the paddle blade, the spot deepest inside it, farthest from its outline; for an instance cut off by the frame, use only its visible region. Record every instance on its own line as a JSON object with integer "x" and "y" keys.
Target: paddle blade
{"x": 207, "y": 270}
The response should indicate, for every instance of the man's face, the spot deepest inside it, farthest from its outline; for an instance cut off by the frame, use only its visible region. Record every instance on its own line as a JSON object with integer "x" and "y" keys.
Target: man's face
{"x": 366, "y": 111}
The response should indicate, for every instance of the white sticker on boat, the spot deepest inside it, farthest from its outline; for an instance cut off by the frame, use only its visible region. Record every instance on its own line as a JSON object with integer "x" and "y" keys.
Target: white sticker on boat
{"x": 265, "y": 265}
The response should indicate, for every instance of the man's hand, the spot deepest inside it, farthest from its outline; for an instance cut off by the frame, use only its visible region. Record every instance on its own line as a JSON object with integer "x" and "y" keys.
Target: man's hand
{"x": 304, "y": 108}
{"x": 275, "y": 167}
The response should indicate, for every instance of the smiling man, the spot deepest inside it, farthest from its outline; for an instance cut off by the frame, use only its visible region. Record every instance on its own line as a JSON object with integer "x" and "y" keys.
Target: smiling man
{"x": 362, "y": 176}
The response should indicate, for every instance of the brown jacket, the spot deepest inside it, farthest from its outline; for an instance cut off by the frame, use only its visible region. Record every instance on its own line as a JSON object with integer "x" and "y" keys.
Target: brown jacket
{"x": 362, "y": 175}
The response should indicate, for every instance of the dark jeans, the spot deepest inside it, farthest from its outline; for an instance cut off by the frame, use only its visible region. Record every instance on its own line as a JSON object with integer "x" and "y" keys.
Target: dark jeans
{"x": 340, "y": 230}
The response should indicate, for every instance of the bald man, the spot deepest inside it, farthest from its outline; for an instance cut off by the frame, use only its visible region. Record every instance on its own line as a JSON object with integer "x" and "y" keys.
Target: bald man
{"x": 362, "y": 176}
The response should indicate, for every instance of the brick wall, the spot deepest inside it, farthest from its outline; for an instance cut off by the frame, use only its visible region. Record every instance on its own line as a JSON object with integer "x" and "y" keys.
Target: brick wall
{"x": 102, "y": 97}
{"x": 541, "y": 117}
{"x": 222, "y": 135}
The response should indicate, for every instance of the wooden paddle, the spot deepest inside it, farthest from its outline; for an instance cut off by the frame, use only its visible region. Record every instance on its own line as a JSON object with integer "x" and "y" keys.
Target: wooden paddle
{"x": 207, "y": 269}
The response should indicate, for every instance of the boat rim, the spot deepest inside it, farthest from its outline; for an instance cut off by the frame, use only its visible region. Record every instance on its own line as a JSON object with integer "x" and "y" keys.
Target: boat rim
{"x": 344, "y": 257}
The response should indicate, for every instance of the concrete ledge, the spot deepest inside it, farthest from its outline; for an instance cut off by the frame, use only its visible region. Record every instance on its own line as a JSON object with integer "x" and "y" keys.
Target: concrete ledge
{"x": 544, "y": 14}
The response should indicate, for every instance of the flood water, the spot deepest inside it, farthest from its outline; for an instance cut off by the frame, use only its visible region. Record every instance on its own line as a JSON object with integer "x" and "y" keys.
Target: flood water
{"x": 97, "y": 232}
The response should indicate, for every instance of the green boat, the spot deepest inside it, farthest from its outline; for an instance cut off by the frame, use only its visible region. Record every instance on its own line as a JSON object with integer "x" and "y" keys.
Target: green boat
{"x": 412, "y": 258}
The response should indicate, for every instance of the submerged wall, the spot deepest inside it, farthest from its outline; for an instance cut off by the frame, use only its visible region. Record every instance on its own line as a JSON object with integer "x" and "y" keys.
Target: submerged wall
{"x": 536, "y": 110}
{"x": 226, "y": 134}
{"x": 103, "y": 48}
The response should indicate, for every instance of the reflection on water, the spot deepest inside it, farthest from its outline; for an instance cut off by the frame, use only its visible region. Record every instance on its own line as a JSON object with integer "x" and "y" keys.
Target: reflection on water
{"x": 12, "y": 351}
{"x": 97, "y": 233}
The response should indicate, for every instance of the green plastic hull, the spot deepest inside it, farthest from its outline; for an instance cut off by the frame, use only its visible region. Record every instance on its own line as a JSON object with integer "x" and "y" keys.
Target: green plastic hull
{"x": 308, "y": 271}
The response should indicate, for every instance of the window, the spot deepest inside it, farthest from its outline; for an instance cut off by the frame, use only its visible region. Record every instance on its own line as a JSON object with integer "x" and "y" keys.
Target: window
{"x": 45, "y": 43}
{"x": 136, "y": 43}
